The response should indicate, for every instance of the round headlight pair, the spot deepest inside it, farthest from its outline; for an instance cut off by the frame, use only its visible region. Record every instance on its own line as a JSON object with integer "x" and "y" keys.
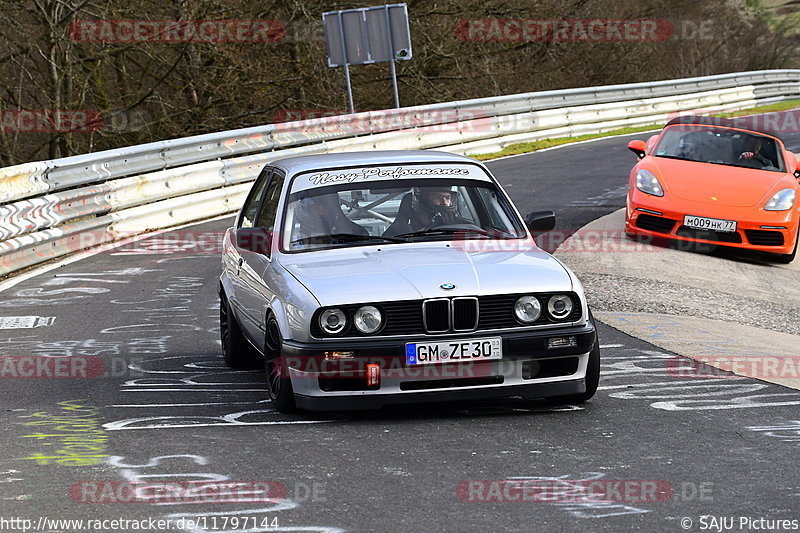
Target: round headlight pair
{"x": 367, "y": 319}
{"x": 527, "y": 309}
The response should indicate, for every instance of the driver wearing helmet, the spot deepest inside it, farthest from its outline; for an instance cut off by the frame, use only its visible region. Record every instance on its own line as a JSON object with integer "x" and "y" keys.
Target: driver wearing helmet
{"x": 430, "y": 207}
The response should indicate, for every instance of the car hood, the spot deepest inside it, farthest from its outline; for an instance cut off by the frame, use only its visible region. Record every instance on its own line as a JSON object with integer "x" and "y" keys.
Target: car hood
{"x": 721, "y": 184}
{"x": 416, "y": 271}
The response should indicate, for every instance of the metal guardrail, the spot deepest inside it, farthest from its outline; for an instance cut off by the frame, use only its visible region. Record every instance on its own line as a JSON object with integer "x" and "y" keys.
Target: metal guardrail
{"x": 48, "y": 208}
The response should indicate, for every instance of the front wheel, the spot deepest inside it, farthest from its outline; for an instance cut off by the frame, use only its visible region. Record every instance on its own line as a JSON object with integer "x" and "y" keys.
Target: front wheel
{"x": 279, "y": 385}
{"x": 236, "y": 351}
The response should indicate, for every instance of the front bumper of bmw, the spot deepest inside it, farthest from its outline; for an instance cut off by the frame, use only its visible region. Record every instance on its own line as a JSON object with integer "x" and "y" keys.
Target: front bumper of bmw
{"x": 529, "y": 369}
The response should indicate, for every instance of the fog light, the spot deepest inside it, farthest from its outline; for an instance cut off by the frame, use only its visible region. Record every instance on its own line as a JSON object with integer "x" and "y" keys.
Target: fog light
{"x": 562, "y": 342}
{"x": 332, "y": 356}
{"x": 373, "y": 376}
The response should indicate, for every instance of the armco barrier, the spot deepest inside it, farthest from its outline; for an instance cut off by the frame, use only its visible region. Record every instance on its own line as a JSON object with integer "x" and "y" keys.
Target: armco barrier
{"x": 48, "y": 206}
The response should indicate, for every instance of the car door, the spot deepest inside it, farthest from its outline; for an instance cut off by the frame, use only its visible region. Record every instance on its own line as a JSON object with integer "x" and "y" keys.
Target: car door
{"x": 234, "y": 257}
{"x": 256, "y": 292}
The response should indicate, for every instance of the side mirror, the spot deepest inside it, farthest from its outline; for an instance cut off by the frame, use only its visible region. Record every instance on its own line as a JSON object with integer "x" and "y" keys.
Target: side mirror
{"x": 540, "y": 222}
{"x": 637, "y": 147}
{"x": 254, "y": 240}
{"x": 793, "y": 164}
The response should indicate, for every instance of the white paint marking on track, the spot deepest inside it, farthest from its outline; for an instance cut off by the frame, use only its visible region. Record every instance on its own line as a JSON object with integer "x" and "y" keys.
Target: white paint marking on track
{"x": 612, "y": 346}
{"x": 25, "y": 322}
{"x": 38, "y": 271}
{"x": 112, "y": 427}
{"x": 145, "y": 405}
{"x": 698, "y": 381}
{"x": 196, "y": 390}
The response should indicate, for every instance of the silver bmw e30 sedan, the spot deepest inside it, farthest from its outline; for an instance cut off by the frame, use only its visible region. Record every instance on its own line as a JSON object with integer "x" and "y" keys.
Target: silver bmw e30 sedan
{"x": 360, "y": 280}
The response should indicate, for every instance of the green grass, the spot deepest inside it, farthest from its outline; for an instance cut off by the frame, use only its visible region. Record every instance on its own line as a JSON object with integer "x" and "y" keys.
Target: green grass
{"x": 524, "y": 148}
{"x": 780, "y": 106}
{"x": 527, "y": 147}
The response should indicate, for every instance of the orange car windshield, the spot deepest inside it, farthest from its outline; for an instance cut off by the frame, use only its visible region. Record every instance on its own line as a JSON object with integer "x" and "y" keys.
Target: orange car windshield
{"x": 720, "y": 146}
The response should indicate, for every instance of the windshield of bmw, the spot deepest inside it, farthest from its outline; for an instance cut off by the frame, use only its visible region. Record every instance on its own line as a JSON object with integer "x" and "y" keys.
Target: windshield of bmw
{"x": 720, "y": 146}
{"x": 395, "y": 204}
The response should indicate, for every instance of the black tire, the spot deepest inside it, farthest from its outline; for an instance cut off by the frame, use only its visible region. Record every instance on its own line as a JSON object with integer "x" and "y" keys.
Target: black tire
{"x": 592, "y": 377}
{"x": 279, "y": 385}
{"x": 236, "y": 351}
{"x": 785, "y": 259}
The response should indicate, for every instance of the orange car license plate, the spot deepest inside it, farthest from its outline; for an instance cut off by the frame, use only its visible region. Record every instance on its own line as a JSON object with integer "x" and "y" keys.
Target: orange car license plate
{"x": 714, "y": 224}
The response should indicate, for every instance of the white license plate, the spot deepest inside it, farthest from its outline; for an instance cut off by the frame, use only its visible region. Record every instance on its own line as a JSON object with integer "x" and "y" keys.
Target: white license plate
{"x": 715, "y": 224}
{"x": 455, "y": 351}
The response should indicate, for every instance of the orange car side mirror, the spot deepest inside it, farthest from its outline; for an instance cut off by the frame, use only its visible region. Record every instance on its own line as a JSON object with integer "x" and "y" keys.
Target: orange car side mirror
{"x": 637, "y": 147}
{"x": 793, "y": 164}
{"x": 796, "y": 158}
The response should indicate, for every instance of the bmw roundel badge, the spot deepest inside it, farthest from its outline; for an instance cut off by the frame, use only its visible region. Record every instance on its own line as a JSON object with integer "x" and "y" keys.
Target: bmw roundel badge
{"x": 447, "y": 286}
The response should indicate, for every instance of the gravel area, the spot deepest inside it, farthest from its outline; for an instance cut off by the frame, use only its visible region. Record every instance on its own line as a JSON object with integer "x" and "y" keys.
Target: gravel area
{"x": 618, "y": 293}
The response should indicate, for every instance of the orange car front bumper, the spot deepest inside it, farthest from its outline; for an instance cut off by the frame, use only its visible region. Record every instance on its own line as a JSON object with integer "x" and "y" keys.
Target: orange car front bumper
{"x": 756, "y": 229}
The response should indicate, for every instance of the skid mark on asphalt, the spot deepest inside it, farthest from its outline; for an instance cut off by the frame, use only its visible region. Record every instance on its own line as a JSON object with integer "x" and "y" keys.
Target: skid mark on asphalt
{"x": 196, "y": 377}
{"x": 609, "y": 197}
{"x": 571, "y": 495}
{"x": 788, "y": 432}
{"x": 660, "y": 378}
{"x": 229, "y": 514}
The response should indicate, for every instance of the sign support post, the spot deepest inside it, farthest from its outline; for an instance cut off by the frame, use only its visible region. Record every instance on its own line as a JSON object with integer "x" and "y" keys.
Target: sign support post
{"x": 346, "y": 65}
{"x": 391, "y": 60}
{"x": 368, "y": 35}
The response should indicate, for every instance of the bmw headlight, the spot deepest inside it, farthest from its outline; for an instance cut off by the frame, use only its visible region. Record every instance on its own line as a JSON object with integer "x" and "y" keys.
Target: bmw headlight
{"x": 559, "y": 306}
{"x": 527, "y": 309}
{"x": 647, "y": 182}
{"x": 367, "y": 319}
{"x": 332, "y": 321}
{"x": 782, "y": 200}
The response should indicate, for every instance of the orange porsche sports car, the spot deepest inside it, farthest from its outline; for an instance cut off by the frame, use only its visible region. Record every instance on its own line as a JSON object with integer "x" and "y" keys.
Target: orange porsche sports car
{"x": 709, "y": 180}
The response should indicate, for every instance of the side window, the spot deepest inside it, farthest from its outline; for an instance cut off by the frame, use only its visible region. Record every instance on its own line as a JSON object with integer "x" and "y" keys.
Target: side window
{"x": 266, "y": 219}
{"x": 251, "y": 204}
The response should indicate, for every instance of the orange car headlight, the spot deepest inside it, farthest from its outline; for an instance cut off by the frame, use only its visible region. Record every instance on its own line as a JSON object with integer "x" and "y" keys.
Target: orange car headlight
{"x": 782, "y": 200}
{"x": 647, "y": 182}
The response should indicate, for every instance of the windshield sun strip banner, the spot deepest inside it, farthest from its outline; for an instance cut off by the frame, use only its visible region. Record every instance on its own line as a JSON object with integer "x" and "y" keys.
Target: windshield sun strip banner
{"x": 322, "y": 178}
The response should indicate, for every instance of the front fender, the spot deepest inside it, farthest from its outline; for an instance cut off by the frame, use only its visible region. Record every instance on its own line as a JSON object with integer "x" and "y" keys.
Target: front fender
{"x": 292, "y": 306}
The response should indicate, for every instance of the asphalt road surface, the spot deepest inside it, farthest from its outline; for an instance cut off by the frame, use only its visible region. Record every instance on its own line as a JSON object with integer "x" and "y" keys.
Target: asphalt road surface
{"x": 657, "y": 449}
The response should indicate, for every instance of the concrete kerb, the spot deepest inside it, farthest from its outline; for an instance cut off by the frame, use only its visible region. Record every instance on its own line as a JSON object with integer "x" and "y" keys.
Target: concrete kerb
{"x": 729, "y": 345}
